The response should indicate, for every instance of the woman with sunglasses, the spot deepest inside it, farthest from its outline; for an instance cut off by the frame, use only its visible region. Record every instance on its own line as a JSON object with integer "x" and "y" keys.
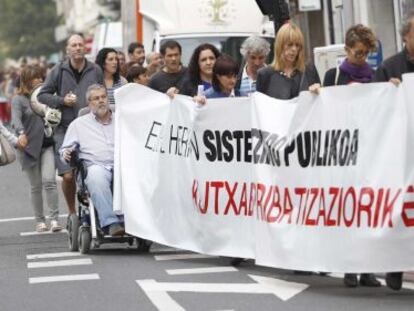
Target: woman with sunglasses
{"x": 359, "y": 42}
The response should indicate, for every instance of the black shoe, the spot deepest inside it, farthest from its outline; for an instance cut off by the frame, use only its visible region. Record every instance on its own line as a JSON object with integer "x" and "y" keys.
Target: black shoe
{"x": 350, "y": 280}
{"x": 394, "y": 280}
{"x": 369, "y": 280}
{"x": 237, "y": 261}
{"x": 299, "y": 272}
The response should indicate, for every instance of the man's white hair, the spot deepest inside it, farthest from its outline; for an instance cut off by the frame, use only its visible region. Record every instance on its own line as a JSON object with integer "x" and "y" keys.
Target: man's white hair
{"x": 254, "y": 45}
{"x": 93, "y": 87}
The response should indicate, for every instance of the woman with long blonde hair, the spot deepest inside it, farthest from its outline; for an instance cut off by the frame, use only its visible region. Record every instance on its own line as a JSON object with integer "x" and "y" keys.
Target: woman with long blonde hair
{"x": 288, "y": 75}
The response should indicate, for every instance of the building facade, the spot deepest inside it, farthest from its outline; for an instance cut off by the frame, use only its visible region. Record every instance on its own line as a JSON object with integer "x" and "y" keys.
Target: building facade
{"x": 328, "y": 24}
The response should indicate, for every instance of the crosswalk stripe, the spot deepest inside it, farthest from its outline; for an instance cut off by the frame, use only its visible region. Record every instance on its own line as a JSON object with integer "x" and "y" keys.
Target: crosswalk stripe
{"x": 25, "y": 218}
{"x": 52, "y": 255}
{"x": 41, "y": 233}
{"x": 64, "y": 278}
{"x": 201, "y": 270}
{"x": 59, "y": 263}
{"x": 181, "y": 257}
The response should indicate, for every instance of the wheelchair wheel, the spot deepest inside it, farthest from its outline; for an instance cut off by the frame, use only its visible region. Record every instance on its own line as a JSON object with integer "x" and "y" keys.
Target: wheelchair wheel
{"x": 84, "y": 240}
{"x": 73, "y": 230}
{"x": 143, "y": 245}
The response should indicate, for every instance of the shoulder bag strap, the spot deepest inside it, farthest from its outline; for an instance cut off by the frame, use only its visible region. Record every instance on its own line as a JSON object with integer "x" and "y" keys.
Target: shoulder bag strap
{"x": 337, "y": 75}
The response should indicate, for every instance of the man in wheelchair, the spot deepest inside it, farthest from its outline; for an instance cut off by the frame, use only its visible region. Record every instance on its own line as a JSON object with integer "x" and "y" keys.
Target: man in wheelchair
{"x": 92, "y": 137}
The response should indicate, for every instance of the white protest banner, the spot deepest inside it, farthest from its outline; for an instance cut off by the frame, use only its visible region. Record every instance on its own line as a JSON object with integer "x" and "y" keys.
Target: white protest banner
{"x": 321, "y": 182}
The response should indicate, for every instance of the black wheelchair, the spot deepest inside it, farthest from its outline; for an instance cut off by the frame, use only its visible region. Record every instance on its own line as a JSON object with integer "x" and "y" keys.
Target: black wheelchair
{"x": 84, "y": 230}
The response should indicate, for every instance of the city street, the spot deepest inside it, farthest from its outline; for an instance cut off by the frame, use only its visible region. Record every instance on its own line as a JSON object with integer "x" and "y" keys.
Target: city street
{"x": 37, "y": 272}
{"x": 279, "y": 130}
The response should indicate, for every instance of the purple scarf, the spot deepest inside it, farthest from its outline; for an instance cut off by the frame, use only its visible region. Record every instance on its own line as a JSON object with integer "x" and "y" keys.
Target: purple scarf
{"x": 361, "y": 74}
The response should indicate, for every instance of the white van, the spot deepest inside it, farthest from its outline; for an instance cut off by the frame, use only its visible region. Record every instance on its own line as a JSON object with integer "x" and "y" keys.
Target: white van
{"x": 224, "y": 24}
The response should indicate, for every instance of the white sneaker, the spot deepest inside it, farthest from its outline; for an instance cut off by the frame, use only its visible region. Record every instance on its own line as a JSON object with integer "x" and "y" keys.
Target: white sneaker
{"x": 54, "y": 226}
{"x": 41, "y": 227}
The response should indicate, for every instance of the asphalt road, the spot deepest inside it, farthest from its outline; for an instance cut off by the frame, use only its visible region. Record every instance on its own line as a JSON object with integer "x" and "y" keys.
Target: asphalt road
{"x": 38, "y": 273}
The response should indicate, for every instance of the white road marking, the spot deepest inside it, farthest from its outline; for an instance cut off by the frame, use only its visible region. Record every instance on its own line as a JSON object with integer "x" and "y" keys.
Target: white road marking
{"x": 59, "y": 263}
{"x": 52, "y": 255}
{"x": 406, "y": 285}
{"x": 157, "y": 292}
{"x": 24, "y": 218}
{"x": 161, "y": 299}
{"x": 64, "y": 278}
{"x": 41, "y": 233}
{"x": 166, "y": 250}
{"x": 201, "y": 270}
{"x": 182, "y": 257}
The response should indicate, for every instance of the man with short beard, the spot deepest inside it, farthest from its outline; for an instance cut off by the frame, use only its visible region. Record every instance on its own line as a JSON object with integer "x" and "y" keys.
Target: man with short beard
{"x": 136, "y": 53}
{"x": 92, "y": 135}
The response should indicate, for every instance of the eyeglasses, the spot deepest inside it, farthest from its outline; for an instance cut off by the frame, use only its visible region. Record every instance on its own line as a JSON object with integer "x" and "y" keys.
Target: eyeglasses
{"x": 359, "y": 53}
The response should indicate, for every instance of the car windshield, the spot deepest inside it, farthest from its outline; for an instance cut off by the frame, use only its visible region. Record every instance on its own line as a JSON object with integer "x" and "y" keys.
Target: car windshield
{"x": 227, "y": 45}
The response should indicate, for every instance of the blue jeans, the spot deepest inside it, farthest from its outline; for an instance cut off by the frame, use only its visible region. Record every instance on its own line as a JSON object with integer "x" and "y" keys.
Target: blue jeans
{"x": 98, "y": 181}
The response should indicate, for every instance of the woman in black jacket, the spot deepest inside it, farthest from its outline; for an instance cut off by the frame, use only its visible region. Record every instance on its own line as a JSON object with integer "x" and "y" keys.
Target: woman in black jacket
{"x": 359, "y": 41}
{"x": 289, "y": 75}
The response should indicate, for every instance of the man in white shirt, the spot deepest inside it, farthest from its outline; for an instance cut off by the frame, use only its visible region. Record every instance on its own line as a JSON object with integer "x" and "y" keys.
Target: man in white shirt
{"x": 93, "y": 136}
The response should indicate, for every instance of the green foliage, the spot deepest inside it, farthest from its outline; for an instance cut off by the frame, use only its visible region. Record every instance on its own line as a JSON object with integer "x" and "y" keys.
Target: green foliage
{"x": 27, "y": 27}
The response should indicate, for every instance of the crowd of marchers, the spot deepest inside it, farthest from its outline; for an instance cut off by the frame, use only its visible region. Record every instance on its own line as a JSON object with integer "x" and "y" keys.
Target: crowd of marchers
{"x": 68, "y": 87}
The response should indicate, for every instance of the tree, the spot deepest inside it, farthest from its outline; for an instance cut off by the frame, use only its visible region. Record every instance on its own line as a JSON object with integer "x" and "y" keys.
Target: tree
{"x": 27, "y": 27}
